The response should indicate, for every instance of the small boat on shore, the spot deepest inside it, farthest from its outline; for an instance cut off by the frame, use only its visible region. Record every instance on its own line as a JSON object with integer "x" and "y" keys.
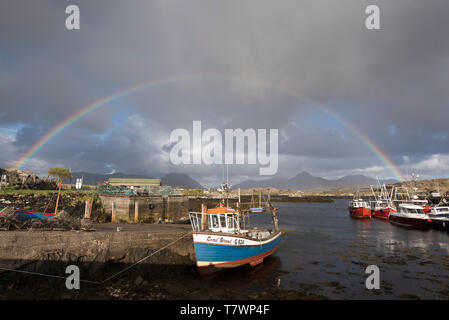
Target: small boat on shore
{"x": 26, "y": 214}
{"x": 223, "y": 238}
{"x": 410, "y": 215}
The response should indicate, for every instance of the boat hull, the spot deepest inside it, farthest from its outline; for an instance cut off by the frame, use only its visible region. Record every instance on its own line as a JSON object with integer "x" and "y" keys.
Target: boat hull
{"x": 382, "y": 214}
{"x": 217, "y": 251}
{"x": 360, "y": 213}
{"x": 406, "y": 222}
{"x": 440, "y": 224}
{"x": 34, "y": 215}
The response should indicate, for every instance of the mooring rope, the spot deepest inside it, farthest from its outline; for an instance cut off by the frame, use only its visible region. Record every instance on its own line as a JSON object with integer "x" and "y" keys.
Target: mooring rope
{"x": 148, "y": 256}
{"x": 45, "y": 275}
{"x": 107, "y": 279}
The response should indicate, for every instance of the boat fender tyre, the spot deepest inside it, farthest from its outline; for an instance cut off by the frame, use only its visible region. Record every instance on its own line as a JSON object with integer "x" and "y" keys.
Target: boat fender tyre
{"x": 151, "y": 206}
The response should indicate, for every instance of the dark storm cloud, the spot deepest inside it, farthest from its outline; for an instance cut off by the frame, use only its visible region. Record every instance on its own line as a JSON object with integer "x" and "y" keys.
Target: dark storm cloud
{"x": 257, "y": 58}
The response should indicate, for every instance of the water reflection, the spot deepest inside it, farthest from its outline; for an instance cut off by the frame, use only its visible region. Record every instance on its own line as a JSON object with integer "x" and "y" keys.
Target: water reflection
{"x": 242, "y": 278}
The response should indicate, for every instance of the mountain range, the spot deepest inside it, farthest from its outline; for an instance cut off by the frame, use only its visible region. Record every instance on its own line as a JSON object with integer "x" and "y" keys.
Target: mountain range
{"x": 302, "y": 181}
{"x": 306, "y": 181}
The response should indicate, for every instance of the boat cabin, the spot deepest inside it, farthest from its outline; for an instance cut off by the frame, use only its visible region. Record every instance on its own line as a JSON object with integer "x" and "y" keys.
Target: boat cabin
{"x": 410, "y": 208}
{"x": 220, "y": 219}
{"x": 439, "y": 212}
{"x": 359, "y": 203}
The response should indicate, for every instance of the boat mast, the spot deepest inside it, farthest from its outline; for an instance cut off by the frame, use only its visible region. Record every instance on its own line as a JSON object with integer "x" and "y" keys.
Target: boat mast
{"x": 274, "y": 215}
{"x": 227, "y": 185}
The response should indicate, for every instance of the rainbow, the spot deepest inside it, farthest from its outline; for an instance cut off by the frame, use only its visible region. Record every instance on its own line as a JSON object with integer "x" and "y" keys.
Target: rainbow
{"x": 376, "y": 149}
{"x": 89, "y": 109}
{"x": 367, "y": 141}
{"x": 36, "y": 147}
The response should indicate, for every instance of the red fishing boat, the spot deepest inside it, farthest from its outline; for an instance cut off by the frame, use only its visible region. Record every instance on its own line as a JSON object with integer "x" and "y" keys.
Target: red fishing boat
{"x": 360, "y": 209}
{"x": 382, "y": 205}
{"x": 383, "y": 212}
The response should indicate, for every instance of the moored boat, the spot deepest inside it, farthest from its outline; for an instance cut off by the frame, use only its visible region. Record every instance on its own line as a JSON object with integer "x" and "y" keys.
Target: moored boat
{"x": 439, "y": 217}
{"x": 360, "y": 209}
{"x": 255, "y": 209}
{"x": 410, "y": 216}
{"x": 382, "y": 206}
{"x": 383, "y": 212}
{"x": 222, "y": 239}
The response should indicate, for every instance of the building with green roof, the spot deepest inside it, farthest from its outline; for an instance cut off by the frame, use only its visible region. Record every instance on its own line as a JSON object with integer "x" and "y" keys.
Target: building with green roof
{"x": 135, "y": 182}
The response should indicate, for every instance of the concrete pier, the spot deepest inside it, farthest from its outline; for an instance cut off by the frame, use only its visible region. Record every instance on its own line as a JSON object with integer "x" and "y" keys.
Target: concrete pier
{"x": 35, "y": 250}
{"x": 148, "y": 209}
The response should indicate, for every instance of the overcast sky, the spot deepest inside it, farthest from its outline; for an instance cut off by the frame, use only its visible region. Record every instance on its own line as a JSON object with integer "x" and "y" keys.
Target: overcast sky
{"x": 243, "y": 64}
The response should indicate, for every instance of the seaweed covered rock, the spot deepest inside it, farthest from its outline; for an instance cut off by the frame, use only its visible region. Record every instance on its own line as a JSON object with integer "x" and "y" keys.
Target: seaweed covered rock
{"x": 10, "y": 220}
{"x": 87, "y": 225}
{"x": 63, "y": 221}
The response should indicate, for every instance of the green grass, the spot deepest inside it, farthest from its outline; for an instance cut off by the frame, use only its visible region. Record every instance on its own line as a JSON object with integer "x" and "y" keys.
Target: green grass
{"x": 9, "y": 191}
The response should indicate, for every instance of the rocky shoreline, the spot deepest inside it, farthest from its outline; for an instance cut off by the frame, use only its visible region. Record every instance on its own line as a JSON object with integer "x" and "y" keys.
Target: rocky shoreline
{"x": 72, "y": 203}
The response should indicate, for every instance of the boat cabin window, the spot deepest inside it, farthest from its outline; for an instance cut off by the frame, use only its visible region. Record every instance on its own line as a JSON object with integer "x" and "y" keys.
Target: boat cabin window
{"x": 213, "y": 222}
{"x": 221, "y": 222}
{"x": 410, "y": 210}
{"x": 230, "y": 221}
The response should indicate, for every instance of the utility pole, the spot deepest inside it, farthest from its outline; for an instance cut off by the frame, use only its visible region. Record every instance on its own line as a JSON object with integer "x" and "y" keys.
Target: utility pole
{"x": 59, "y": 192}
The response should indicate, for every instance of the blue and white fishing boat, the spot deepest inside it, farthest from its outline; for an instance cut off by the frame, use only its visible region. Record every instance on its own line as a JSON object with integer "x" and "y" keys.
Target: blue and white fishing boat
{"x": 222, "y": 239}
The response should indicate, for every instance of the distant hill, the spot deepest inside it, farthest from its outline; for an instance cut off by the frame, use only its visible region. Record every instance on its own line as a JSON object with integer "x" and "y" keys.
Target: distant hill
{"x": 306, "y": 181}
{"x": 180, "y": 180}
{"x": 94, "y": 178}
{"x": 172, "y": 179}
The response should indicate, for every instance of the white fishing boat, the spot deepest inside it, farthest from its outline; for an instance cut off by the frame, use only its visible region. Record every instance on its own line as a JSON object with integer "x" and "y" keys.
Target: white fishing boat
{"x": 439, "y": 217}
{"x": 411, "y": 216}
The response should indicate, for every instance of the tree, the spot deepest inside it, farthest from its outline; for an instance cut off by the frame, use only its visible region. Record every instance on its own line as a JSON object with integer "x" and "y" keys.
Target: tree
{"x": 60, "y": 174}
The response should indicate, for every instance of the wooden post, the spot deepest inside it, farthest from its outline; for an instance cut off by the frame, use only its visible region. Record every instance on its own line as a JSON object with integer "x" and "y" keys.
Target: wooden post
{"x": 57, "y": 200}
{"x": 113, "y": 212}
{"x": 203, "y": 217}
{"x": 168, "y": 207}
{"x": 90, "y": 207}
{"x": 136, "y": 211}
{"x": 86, "y": 209}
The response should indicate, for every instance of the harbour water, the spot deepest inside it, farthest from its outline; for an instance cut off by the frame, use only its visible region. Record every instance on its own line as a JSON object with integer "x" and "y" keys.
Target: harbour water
{"x": 326, "y": 253}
